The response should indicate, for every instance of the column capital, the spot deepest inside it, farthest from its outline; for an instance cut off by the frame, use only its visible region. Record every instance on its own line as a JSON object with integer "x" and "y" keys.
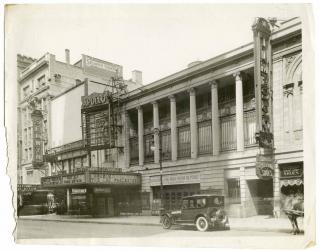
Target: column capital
{"x": 237, "y": 75}
{"x": 139, "y": 108}
{"x": 192, "y": 91}
{"x": 214, "y": 83}
{"x": 172, "y": 98}
{"x": 155, "y": 102}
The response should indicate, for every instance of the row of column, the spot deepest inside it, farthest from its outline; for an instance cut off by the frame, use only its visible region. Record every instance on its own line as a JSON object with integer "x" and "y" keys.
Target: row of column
{"x": 193, "y": 123}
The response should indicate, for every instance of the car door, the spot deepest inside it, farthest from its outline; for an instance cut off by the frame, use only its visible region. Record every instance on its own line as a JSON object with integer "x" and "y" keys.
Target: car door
{"x": 189, "y": 214}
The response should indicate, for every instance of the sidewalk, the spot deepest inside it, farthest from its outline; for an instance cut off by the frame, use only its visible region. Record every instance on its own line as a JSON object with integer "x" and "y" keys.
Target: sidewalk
{"x": 255, "y": 223}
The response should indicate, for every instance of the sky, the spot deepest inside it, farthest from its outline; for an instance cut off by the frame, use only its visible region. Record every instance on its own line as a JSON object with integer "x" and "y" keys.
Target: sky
{"x": 157, "y": 39}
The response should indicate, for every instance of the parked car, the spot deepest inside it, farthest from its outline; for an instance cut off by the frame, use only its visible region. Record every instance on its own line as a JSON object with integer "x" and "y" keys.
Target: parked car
{"x": 203, "y": 210}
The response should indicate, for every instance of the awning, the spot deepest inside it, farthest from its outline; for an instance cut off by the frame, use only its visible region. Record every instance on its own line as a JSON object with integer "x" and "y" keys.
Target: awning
{"x": 291, "y": 182}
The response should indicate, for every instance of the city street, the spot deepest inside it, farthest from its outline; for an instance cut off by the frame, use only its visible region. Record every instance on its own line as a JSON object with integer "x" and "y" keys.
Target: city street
{"x": 34, "y": 229}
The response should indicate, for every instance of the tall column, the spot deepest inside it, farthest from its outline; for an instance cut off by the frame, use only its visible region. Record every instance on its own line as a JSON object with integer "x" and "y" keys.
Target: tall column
{"x": 276, "y": 192}
{"x": 140, "y": 135}
{"x": 156, "y": 136}
{"x": 215, "y": 118}
{"x": 242, "y": 191}
{"x": 173, "y": 125}
{"x": 68, "y": 199}
{"x": 125, "y": 138}
{"x": 193, "y": 124}
{"x": 239, "y": 112}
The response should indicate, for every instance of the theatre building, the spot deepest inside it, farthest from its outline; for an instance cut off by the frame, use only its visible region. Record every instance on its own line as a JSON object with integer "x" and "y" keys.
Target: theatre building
{"x": 230, "y": 125}
{"x": 84, "y": 163}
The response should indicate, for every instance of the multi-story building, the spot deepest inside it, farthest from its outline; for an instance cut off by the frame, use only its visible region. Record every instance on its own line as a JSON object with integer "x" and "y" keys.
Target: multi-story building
{"x": 40, "y": 81}
{"x": 230, "y": 125}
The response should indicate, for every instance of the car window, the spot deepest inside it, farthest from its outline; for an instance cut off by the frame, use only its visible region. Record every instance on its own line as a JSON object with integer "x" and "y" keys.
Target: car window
{"x": 191, "y": 205}
{"x": 218, "y": 201}
{"x": 201, "y": 202}
{"x": 185, "y": 204}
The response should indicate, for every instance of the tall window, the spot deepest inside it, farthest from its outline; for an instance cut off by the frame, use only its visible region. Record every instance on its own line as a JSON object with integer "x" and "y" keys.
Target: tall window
{"x": 234, "y": 191}
{"x": 41, "y": 81}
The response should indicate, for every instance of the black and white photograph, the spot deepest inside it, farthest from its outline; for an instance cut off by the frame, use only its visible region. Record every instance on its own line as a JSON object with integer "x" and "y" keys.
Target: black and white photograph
{"x": 161, "y": 125}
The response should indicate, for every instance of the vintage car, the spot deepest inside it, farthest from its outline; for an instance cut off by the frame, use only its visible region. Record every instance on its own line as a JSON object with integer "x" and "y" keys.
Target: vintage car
{"x": 203, "y": 210}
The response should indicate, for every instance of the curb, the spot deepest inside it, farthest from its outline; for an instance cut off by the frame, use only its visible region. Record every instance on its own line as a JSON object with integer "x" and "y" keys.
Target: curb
{"x": 150, "y": 224}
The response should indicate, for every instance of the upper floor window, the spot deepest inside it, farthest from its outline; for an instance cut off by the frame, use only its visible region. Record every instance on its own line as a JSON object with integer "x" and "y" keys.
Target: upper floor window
{"x": 41, "y": 81}
{"x": 26, "y": 91}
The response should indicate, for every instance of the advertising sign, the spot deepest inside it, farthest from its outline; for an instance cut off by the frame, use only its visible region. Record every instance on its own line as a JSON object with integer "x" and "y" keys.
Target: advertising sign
{"x": 100, "y": 67}
{"x": 294, "y": 170}
{"x": 265, "y": 166}
{"x": 37, "y": 118}
{"x": 262, "y": 78}
{"x": 95, "y": 99}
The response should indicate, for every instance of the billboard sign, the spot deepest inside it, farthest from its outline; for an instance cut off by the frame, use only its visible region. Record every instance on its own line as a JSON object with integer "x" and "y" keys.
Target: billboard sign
{"x": 101, "y": 68}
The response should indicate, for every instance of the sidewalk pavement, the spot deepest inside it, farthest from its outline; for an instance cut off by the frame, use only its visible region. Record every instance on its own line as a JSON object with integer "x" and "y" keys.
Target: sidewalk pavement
{"x": 255, "y": 223}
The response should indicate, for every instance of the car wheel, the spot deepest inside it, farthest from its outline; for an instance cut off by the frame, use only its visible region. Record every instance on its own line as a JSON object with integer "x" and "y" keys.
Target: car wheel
{"x": 166, "y": 222}
{"x": 202, "y": 224}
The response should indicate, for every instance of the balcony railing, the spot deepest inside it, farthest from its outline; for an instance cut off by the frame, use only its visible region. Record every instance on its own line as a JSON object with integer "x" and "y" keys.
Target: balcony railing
{"x": 228, "y": 136}
{"x": 204, "y": 137}
{"x": 184, "y": 142}
{"x": 148, "y": 153}
{"x": 166, "y": 144}
{"x": 249, "y": 128}
{"x": 134, "y": 150}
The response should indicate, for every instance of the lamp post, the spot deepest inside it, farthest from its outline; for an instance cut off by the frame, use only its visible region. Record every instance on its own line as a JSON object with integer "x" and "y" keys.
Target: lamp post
{"x": 153, "y": 148}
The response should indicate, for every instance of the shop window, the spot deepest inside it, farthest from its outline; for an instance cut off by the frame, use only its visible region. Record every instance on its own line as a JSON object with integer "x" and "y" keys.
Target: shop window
{"x": 234, "y": 191}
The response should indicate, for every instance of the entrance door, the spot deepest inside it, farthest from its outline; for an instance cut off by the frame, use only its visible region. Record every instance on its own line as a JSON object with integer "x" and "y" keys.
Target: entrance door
{"x": 110, "y": 206}
{"x": 101, "y": 207}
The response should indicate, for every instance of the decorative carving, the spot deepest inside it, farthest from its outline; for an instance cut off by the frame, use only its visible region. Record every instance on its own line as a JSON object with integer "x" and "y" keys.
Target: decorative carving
{"x": 289, "y": 60}
{"x": 288, "y": 89}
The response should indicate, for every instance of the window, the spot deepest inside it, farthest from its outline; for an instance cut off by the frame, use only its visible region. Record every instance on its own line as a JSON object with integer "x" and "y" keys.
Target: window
{"x": 191, "y": 204}
{"x": 30, "y": 153}
{"x": 29, "y": 173}
{"x": 26, "y": 91}
{"x": 41, "y": 81}
{"x": 108, "y": 155}
{"x": 234, "y": 191}
{"x": 201, "y": 202}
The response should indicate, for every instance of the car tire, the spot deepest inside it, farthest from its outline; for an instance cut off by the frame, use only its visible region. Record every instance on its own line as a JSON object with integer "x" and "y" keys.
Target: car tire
{"x": 202, "y": 224}
{"x": 166, "y": 222}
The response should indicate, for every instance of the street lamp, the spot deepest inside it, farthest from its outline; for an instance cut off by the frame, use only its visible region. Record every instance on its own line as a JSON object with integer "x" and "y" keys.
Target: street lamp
{"x": 157, "y": 132}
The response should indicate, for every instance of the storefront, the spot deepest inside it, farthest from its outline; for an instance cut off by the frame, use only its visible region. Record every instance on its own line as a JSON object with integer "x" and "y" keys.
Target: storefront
{"x": 291, "y": 180}
{"x": 97, "y": 193}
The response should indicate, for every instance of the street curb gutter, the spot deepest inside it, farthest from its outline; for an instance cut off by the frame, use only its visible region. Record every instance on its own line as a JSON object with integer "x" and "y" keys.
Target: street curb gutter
{"x": 149, "y": 224}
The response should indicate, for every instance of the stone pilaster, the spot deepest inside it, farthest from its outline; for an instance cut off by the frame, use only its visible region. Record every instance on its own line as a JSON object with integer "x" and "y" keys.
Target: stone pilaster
{"x": 239, "y": 112}
{"x": 173, "y": 123}
{"x": 156, "y": 138}
{"x": 215, "y": 118}
{"x": 276, "y": 192}
{"x": 193, "y": 124}
{"x": 140, "y": 135}
{"x": 243, "y": 190}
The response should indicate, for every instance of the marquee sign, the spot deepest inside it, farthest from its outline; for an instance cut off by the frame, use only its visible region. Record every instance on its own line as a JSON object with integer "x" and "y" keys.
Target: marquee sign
{"x": 95, "y": 99}
{"x": 91, "y": 178}
{"x": 37, "y": 118}
{"x": 262, "y": 78}
{"x": 265, "y": 166}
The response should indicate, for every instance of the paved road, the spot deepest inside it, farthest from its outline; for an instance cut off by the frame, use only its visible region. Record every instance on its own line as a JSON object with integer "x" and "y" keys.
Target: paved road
{"x": 27, "y": 229}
